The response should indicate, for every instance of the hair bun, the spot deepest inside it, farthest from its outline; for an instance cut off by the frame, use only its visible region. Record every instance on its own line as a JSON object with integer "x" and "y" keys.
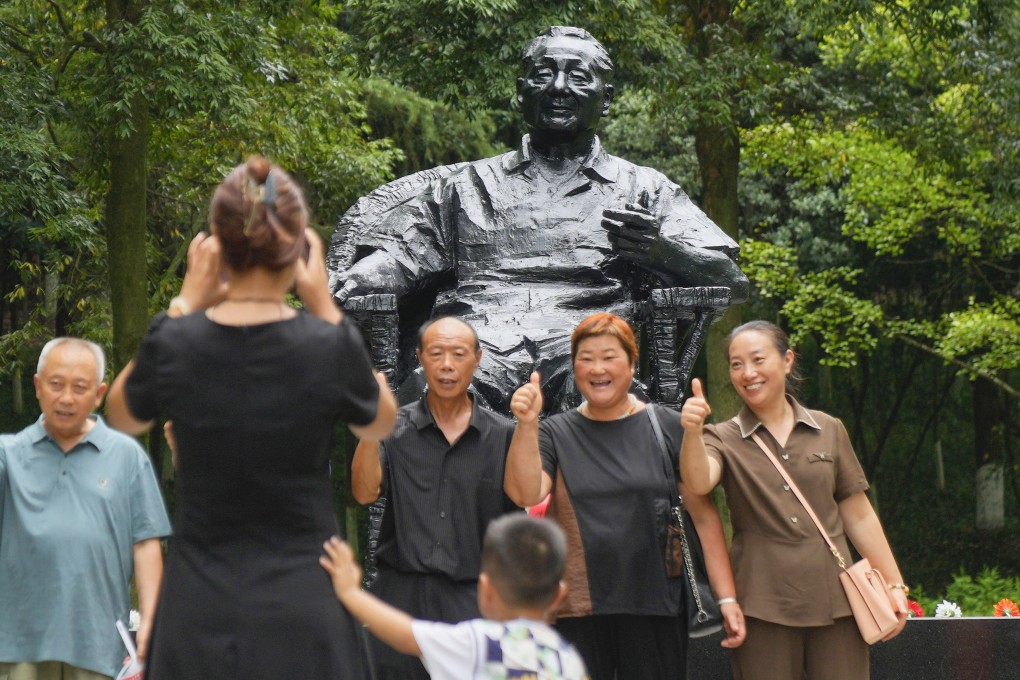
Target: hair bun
{"x": 260, "y": 216}
{"x": 258, "y": 168}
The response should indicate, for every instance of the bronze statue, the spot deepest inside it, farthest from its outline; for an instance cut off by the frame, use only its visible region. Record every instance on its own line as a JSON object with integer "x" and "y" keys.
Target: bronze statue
{"x": 526, "y": 244}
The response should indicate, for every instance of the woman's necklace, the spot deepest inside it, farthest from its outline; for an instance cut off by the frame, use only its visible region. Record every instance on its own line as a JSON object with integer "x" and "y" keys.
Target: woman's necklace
{"x": 264, "y": 300}
{"x": 279, "y": 303}
{"x": 585, "y": 411}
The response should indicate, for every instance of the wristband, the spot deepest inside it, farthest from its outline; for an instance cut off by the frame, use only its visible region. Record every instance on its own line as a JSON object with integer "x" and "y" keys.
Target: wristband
{"x": 726, "y": 600}
{"x": 180, "y": 304}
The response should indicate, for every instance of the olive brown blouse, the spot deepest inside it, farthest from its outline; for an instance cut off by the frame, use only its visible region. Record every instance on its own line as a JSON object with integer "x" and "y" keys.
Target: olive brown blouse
{"x": 784, "y": 571}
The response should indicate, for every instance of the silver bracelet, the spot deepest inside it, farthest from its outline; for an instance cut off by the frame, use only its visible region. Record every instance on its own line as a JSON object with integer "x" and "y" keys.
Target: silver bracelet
{"x": 726, "y": 600}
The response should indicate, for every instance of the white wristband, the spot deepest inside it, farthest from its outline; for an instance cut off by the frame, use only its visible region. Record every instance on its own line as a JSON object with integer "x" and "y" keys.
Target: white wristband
{"x": 180, "y": 304}
{"x": 726, "y": 600}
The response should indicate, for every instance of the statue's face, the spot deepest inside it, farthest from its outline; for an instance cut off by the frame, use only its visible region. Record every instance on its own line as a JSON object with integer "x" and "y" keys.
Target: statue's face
{"x": 562, "y": 91}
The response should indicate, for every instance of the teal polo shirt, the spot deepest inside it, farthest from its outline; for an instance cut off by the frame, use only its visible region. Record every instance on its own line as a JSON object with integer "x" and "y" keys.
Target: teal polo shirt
{"x": 68, "y": 525}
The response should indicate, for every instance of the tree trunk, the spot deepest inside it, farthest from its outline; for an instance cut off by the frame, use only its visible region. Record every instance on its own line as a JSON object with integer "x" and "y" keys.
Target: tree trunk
{"x": 717, "y": 143}
{"x": 125, "y": 214}
{"x": 718, "y": 148}
{"x": 17, "y": 386}
{"x": 51, "y": 285}
{"x": 989, "y": 444}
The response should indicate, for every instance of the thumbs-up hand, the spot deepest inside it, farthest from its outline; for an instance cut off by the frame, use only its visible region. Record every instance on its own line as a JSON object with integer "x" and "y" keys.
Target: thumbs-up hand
{"x": 526, "y": 404}
{"x": 696, "y": 409}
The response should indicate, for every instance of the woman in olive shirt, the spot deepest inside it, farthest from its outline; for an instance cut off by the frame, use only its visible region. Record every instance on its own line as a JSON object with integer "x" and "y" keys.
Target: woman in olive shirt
{"x": 798, "y": 617}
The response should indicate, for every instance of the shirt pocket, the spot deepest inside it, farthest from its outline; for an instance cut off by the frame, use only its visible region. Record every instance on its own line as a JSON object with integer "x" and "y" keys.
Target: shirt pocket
{"x": 821, "y": 468}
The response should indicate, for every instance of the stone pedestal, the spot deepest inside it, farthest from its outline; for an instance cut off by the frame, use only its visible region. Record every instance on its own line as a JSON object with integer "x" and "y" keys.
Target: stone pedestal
{"x": 972, "y": 648}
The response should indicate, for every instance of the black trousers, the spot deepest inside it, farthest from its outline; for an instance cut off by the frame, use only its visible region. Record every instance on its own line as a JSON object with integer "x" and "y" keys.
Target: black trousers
{"x": 423, "y": 596}
{"x": 628, "y": 647}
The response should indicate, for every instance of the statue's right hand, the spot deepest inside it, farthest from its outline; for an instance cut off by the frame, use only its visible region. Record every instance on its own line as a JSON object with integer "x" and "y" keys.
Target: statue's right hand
{"x": 696, "y": 409}
{"x": 377, "y": 273}
{"x": 355, "y": 282}
{"x": 346, "y": 290}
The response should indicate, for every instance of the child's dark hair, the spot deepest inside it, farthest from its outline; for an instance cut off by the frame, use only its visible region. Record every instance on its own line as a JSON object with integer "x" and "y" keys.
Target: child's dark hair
{"x": 779, "y": 340}
{"x": 524, "y": 557}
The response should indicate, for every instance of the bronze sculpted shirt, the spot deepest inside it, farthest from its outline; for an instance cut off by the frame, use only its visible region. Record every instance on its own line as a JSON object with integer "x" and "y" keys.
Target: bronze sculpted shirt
{"x": 529, "y": 255}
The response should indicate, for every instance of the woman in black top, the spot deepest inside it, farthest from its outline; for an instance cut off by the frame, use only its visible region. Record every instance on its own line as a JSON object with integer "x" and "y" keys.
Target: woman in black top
{"x": 604, "y": 467}
{"x": 253, "y": 387}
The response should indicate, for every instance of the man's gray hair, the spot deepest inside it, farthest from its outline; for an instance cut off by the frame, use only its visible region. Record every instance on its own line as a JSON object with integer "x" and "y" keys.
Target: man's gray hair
{"x": 96, "y": 350}
{"x": 602, "y": 62}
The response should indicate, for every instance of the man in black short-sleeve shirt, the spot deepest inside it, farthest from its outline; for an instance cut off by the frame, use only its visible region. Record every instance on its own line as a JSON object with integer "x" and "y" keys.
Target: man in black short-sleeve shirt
{"x": 443, "y": 472}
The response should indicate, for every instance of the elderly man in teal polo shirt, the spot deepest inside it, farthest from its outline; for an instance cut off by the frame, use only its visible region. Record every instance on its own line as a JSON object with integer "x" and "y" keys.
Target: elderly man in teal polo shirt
{"x": 80, "y": 512}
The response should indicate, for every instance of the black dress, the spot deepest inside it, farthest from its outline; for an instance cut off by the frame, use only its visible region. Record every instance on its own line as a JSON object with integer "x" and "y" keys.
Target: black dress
{"x": 253, "y": 407}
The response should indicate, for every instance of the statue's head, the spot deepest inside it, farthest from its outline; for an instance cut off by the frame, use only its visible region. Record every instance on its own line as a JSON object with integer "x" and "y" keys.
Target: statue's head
{"x": 565, "y": 87}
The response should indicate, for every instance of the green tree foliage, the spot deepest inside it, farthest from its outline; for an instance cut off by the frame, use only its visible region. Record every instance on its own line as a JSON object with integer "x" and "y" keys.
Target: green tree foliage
{"x": 886, "y": 191}
{"x": 217, "y": 81}
{"x": 427, "y": 133}
{"x": 465, "y": 52}
{"x": 207, "y": 83}
{"x": 925, "y": 222}
{"x": 47, "y": 229}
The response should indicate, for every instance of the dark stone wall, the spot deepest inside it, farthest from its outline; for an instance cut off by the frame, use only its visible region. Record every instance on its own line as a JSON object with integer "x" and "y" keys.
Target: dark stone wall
{"x": 972, "y": 648}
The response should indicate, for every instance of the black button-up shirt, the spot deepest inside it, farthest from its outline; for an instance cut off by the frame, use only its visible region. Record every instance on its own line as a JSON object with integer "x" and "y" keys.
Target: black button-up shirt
{"x": 441, "y": 497}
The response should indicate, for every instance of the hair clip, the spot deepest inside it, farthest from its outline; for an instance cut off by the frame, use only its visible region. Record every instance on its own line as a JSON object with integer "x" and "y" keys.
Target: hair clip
{"x": 268, "y": 190}
{"x": 264, "y": 193}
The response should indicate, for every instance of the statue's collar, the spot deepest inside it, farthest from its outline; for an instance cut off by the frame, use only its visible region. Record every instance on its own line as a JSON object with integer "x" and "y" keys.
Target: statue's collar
{"x": 597, "y": 164}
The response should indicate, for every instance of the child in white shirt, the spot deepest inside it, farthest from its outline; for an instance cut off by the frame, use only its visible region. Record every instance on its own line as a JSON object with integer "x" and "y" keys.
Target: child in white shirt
{"x": 520, "y": 584}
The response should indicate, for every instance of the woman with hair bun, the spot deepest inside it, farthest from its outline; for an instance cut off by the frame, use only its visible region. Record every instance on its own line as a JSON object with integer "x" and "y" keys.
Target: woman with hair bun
{"x": 254, "y": 388}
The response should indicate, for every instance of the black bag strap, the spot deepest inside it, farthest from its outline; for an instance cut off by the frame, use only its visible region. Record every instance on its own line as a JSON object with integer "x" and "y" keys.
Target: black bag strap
{"x": 674, "y": 493}
{"x": 677, "y": 515}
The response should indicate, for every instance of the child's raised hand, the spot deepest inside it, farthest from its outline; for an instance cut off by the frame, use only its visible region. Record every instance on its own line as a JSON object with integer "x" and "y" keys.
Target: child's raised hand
{"x": 343, "y": 569}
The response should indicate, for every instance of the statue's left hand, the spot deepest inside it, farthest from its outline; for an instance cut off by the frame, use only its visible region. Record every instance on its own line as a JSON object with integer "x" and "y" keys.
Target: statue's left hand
{"x": 631, "y": 231}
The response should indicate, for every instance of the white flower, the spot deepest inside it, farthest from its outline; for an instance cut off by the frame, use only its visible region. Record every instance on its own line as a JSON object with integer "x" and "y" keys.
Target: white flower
{"x": 947, "y": 609}
{"x": 134, "y": 620}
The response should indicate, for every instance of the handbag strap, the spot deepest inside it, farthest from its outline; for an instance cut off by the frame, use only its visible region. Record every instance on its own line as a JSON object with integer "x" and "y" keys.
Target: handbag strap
{"x": 803, "y": 501}
{"x": 674, "y": 494}
{"x": 677, "y": 512}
